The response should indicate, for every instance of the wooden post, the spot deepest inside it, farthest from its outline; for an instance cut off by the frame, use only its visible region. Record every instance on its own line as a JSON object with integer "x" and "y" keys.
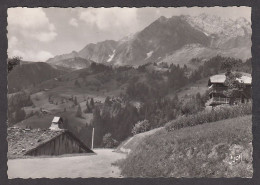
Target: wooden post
{"x": 92, "y": 147}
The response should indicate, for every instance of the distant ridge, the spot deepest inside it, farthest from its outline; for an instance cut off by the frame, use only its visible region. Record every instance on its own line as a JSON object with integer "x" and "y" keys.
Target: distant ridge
{"x": 30, "y": 74}
{"x": 173, "y": 40}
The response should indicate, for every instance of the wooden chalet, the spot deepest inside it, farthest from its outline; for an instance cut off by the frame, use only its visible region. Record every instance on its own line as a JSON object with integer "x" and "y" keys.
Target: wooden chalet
{"x": 217, "y": 87}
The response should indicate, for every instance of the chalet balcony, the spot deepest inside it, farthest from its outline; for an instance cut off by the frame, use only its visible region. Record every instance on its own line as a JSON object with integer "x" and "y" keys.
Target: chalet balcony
{"x": 218, "y": 101}
{"x": 217, "y": 89}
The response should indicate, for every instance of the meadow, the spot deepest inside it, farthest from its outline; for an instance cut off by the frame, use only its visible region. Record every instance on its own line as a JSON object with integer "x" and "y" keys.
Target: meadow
{"x": 206, "y": 150}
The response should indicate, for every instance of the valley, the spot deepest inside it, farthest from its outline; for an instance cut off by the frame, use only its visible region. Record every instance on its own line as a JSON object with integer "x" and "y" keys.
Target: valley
{"x": 140, "y": 102}
{"x": 107, "y": 95}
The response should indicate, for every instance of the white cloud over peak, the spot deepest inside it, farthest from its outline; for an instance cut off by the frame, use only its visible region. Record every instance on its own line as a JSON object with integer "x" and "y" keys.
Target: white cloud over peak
{"x": 110, "y": 18}
{"x": 31, "y": 23}
{"x": 73, "y": 22}
{"x": 43, "y": 55}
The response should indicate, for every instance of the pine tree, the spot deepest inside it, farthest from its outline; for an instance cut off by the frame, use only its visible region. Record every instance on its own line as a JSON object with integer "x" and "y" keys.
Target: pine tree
{"x": 234, "y": 87}
{"x": 19, "y": 115}
{"x": 77, "y": 83}
{"x": 75, "y": 101}
{"x": 13, "y": 62}
{"x": 79, "y": 112}
{"x": 107, "y": 101}
{"x": 88, "y": 109}
{"x": 92, "y": 104}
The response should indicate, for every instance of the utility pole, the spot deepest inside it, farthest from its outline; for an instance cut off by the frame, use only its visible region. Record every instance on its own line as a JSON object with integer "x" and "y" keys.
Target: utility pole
{"x": 92, "y": 147}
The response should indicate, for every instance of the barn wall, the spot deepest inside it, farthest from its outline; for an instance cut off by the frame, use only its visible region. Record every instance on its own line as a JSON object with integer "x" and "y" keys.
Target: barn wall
{"x": 63, "y": 144}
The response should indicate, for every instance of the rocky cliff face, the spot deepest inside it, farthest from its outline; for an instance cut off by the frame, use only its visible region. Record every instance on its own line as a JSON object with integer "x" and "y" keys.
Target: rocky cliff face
{"x": 224, "y": 33}
{"x": 100, "y": 52}
{"x": 172, "y": 40}
{"x": 160, "y": 38}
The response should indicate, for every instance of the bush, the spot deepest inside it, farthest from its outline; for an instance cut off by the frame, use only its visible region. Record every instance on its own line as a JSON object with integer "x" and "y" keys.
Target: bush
{"x": 141, "y": 126}
{"x": 20, "y": 115}
{"x": 77, "y": 84}
{"x": 219, "y": 113}
{"x": 109, "y": 142}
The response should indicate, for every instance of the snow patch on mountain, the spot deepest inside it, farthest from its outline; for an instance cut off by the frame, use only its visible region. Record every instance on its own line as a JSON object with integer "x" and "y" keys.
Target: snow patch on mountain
{"x": 111, "y": 56}
{"x": 149, "y": 54}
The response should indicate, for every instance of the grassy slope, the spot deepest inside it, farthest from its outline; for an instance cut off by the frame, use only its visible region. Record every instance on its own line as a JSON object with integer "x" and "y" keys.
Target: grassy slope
{"x": 200, "y": 151}
{"x": 131, "y": 143}
{"x": 200, "y": 86}
{"x": 26, "y": 75}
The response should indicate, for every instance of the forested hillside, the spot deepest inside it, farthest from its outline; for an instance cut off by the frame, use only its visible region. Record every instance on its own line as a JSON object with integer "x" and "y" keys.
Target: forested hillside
{"x": 30, "y": 74}
{"x": 113, "y": 99}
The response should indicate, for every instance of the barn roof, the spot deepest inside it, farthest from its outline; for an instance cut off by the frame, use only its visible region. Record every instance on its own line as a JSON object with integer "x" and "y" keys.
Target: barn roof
{"x": 20, "y": 141}
{"x": 220, "y": 78}
{"x": 56, "y": 119}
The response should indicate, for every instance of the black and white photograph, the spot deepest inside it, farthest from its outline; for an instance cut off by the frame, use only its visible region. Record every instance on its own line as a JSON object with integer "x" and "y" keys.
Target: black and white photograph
{"x": 129, "y": 92}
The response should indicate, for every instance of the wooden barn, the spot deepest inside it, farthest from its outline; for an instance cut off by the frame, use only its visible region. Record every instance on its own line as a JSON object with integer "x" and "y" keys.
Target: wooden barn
{"x": 48, "y": 142}
{"x": 63, "y": 143}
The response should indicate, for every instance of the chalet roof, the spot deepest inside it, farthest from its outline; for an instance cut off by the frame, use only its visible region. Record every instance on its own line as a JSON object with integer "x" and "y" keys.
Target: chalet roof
{"x": 22, "y": 140}
{"x": 220, "y": 78}
{"x": 56, "y": 119}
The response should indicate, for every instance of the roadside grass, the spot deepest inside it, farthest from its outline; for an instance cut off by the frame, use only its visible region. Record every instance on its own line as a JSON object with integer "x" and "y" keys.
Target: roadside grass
{"x": 220, "y": 113}
{"x": 131, "y": 143}
{"x": 199, "y": 151}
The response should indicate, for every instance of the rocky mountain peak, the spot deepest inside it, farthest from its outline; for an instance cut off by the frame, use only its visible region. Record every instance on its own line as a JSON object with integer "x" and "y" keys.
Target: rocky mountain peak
{"x": 212, "y": 24}
{"x": 167, "y": 37}
{"x": 162, "y": 19}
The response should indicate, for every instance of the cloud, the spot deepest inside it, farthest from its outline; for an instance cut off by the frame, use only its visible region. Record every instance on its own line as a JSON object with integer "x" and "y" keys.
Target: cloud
{"x": 16, "y": 53}
{"x": 42, "y": 36}
{"x": 12, "y": 42}
{"x": 43, "y": 55}
{"x": 110, "y": 18}
{"x": 73, "y": 22}
{"x": 35, "y": 56}
{"x": 31, "y": 23}
{"x": 32, "y": 18}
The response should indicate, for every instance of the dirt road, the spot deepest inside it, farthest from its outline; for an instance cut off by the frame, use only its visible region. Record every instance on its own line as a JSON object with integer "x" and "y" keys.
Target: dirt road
{"x": 85, "y": 166}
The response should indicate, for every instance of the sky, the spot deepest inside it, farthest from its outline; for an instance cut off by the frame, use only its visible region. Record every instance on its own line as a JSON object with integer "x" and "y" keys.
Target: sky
{"x": 37, "y": 34}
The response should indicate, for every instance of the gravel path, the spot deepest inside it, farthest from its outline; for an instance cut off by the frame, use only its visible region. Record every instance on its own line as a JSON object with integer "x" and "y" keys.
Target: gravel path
{"x": 67, "y": 167}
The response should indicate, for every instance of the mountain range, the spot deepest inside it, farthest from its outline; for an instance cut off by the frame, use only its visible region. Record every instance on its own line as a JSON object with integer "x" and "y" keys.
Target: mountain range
{"x": 173, "y": 40}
